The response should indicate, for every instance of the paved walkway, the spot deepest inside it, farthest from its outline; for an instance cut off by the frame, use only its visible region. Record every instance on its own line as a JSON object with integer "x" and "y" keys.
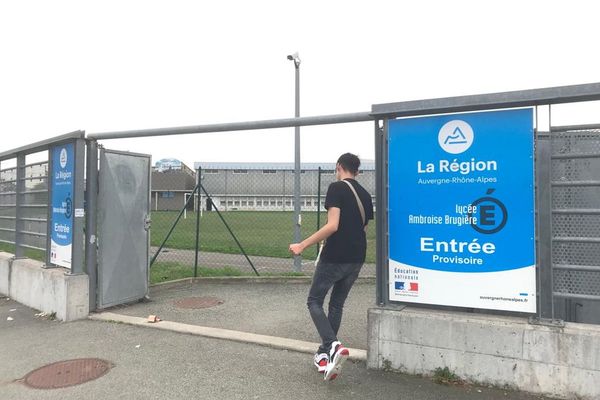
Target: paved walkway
{"x": 162, "y": 364}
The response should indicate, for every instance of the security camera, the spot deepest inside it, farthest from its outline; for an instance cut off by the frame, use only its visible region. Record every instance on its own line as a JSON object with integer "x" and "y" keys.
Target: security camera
{"x": 294, "y": 57}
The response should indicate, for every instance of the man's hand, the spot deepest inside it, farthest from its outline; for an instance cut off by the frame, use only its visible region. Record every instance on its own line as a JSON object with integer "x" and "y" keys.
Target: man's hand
{"x": 296, "y": 248}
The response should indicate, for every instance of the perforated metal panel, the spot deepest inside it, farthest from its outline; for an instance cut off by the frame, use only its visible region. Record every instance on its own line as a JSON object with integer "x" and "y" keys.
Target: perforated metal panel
{"x": 577, "y": 282}
{"x": 575, "y": 197}
{"x": 574, "y": 253}
{"x": 576, "y": 225}
{"x": 575, "y": 175}
{"x": 584, "y": 141}
{"x": 565, "y": 170}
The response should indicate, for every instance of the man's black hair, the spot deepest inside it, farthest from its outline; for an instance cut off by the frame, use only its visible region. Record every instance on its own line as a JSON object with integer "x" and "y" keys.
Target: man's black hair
{"x": 349, "y": 162}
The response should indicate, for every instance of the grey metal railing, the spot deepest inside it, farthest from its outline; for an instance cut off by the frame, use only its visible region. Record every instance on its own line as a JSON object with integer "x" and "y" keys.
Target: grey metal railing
{"x": 25, "y": 197}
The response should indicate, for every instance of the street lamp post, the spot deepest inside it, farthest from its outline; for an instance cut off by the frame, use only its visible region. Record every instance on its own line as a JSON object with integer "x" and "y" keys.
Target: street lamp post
{"x": 297, "y": 218}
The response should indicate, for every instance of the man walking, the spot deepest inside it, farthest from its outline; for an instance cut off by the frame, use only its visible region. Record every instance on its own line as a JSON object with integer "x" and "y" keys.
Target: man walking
{"x": 349, "y": 208}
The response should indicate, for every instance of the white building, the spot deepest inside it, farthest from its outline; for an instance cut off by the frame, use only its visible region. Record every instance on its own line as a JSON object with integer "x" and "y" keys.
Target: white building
{"x": 270, "y": 186}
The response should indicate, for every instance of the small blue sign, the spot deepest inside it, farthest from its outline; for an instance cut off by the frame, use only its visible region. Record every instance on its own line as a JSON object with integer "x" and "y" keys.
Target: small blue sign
{"x": 461, "y": 208}
{"x": 62, "y": 184}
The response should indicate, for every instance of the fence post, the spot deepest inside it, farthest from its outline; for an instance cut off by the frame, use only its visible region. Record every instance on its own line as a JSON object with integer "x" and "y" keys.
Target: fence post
{"x": 19, "y": 197}
{"x": 198, "y": 207}
{"x": 91, "y": 196}
{"x": 544, "y": 216}
{"x": 77, "y": 260}
{"x": 49, "y": 179}
{"x": 318, "y": 205}
{"x": 382, "y": 272}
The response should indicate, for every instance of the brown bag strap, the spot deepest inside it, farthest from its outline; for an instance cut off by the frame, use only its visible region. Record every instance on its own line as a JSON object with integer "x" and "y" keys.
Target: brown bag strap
{"x": 361, "y": 208}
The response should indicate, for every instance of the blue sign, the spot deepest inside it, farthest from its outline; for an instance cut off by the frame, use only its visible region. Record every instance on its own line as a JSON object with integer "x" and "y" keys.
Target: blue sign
{"x": 461, "y": 210}
{"x": 62, "y": 184}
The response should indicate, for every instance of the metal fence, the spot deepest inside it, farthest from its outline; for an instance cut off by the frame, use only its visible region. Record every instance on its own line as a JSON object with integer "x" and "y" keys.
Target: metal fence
{"x": 220, "y": 226}
{"x": 24, "y": 198}
{"x": 24, "y": 205}
{"x": 575, "y": 200}
{"x": 245, "y": 210}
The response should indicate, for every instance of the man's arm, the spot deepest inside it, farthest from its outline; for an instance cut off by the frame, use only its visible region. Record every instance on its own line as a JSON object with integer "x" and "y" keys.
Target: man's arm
{"x": 333, "y": 221}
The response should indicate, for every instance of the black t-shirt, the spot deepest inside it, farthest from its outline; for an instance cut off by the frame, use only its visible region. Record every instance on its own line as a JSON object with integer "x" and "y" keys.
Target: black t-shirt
{"x": 349, "y": 243}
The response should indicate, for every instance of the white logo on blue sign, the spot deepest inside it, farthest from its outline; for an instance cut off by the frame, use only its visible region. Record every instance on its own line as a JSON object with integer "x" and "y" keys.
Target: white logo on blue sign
{"x": 456, "y": 137}
{"x": 63, "y": 158}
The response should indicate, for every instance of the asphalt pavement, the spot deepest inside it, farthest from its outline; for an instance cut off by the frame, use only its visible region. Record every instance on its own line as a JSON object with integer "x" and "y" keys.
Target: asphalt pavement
{"x": 163, "y": 364}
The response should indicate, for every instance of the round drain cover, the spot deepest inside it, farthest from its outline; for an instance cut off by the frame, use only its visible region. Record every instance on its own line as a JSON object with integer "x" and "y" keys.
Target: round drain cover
{"x": 67, "y": 373}
{"x": 198, "y": 302}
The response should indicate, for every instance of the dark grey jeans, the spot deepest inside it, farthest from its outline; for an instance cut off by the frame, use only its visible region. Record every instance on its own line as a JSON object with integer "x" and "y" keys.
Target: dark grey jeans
{"x": 340, "y": 277}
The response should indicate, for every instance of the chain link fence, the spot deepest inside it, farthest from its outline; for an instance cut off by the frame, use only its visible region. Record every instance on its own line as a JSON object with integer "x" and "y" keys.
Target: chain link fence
{"x": 246, "y": 218}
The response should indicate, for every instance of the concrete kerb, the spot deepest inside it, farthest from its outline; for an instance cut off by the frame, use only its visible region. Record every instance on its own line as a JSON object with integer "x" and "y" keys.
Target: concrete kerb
{"x": 224, "y": 334}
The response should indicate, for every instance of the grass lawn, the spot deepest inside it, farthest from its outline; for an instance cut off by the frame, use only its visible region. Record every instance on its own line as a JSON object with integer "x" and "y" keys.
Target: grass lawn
{"x": 168, "y": 271}
{"x": 29, "y": 253}
{"x": 261, "y": 233}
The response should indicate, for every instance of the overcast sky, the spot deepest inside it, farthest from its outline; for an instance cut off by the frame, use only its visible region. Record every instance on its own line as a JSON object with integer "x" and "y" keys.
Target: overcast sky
{"x": 118, "y": 65}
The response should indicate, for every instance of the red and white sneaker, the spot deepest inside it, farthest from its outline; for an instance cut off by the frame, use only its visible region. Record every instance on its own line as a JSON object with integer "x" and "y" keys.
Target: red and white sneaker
{"x": 321, "y": 360}
{"x": 337, "y": 356}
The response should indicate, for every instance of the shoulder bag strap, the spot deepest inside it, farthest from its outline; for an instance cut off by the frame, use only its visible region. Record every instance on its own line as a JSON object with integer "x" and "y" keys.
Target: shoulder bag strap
{"x": 361, "y": 208}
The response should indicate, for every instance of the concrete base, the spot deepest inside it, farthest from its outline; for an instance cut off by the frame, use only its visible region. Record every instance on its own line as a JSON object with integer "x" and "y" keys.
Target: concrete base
{"x": 5, "y": 261}
{"x": 48, "y": 290}
{"x": 491, "y": 350}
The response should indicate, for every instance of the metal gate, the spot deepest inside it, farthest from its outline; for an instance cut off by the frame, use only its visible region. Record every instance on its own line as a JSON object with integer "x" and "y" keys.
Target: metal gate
{"x": 123, "y": 227}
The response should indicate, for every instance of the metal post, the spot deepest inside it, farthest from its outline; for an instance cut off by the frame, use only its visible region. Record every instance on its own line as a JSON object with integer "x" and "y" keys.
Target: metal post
{"x": 198, "y": 207}
{"x": 297, "y": 216}
{"x": 77, "y": 259}
{"x": 184, "y": 207}
{"x": 20, "y": 197}
{"x": 49, "y": 180}
{"x": 544, "y": 227}
{"x": 381, "y": 214}
{"x": 283, "y": 193}
{"x": 91, "y": 197}
{"x": 318, "y": 204}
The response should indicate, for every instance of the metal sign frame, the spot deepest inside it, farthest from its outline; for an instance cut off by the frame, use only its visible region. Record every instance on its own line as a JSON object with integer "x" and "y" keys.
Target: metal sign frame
{"x": 77, "y": 207}
{"x": 461, "y": 221}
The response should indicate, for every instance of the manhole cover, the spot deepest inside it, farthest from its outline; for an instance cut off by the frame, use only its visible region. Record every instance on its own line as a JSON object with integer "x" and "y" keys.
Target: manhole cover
{"x": 198, "y": 302}
{"x": 67, "y": 373}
